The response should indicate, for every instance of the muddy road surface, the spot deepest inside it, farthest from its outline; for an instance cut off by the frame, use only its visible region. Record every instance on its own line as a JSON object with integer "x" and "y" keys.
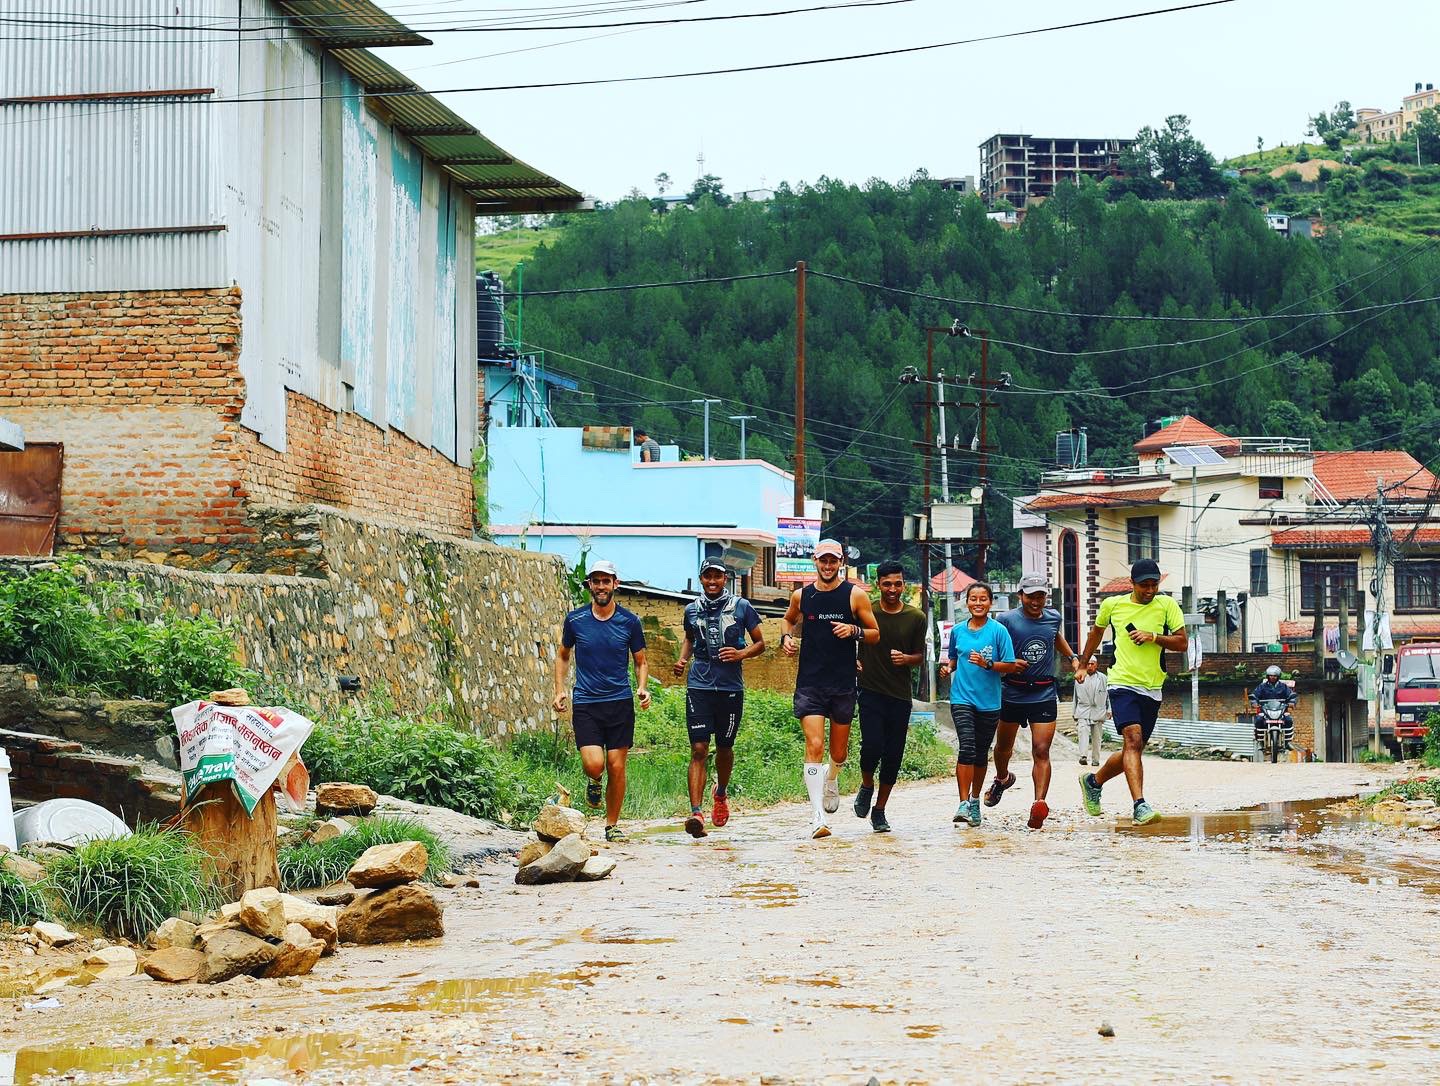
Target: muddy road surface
{"x": 1249, "y": 937}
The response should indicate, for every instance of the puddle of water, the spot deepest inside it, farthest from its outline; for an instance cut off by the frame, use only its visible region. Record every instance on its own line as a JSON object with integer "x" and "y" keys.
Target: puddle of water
{"x": 769, "y": 895}
{"x": 468, "y": 995}
{"x": 737, "y": 1021}
{"x": 922, "y": 1032}
{"x": 1301, "y": 818}
{"x": 809, "y": 982}
{"x": 207, "y": 1063}
{"x": 621, "y": 936}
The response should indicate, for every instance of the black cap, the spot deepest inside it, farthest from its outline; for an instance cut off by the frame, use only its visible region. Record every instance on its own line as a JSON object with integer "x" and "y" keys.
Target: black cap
{"x": 1147, "y": 569}
{"x": 713, "y": 563}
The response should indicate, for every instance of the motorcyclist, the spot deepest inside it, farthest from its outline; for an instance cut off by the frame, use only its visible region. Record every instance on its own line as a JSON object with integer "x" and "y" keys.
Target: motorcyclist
{"x": 1271, "y": 688}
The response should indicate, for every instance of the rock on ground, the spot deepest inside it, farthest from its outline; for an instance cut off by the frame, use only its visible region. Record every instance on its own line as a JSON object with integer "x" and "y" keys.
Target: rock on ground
{"x": 328, "y": 831}
{"x": 338, "y": 798}
{"x": 175, "y": 964}
{"x": 21, "y": 867}
{"x": 53, "y": 934}
{"x": 392, "y": 916}
{"x": 533, "y": 851}
{"x": 230, "y": 953}
{"x": 321, "y": 921}
{"x": 555, "y": 822}
{"x": 173, "y": 933}
{"x": 262, "y": 912}
{"x": 389, "y": 865}
{"x": 297, "y": 955}
{"x": 595, "y": 869}
{"x": 336, "y": 895}
{"x": 112, "y": 963}
{"x": 561, "y": 864}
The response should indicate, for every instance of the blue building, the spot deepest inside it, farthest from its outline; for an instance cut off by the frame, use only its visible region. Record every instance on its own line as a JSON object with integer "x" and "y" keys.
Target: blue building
{"x": 563, "y": 489}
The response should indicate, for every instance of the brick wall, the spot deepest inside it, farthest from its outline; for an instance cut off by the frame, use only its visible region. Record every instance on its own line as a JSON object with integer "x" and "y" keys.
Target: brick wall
{"x": 1092, "y": 564}
{"x": 42, "y": 767}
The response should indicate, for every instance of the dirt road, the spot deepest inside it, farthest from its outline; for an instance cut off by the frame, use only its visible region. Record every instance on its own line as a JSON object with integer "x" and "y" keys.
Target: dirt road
{"x": 1269, "y": 946}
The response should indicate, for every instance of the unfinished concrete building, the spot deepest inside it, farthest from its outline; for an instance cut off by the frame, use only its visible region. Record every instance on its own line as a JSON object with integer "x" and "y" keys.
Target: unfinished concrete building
{"x": 1019, "y": 168}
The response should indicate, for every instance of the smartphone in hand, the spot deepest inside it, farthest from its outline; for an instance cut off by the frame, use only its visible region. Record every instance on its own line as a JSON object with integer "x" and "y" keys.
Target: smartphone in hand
{"x": 1129, "y": 627}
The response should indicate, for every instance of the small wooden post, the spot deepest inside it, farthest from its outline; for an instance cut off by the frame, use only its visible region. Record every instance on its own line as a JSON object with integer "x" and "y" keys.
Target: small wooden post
{"x": 241, "y": 846}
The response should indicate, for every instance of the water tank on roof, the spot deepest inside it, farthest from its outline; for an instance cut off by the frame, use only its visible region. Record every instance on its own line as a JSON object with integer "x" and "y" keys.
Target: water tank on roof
{"x": 489, "y": 315}
{"x": 1072, "y": 448}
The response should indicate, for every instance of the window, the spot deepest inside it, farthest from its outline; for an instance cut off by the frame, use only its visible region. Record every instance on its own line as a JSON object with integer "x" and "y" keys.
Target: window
{"x": 1260, "y": 572}
{"x": 1339, "y": 577}
{"x": 1417, "y": 585}
{"x": 1143, "y": 536}
{"x": 1271, "y": 486}
{"x": 767, "y": 561}
{"x": 1070, "y": 585}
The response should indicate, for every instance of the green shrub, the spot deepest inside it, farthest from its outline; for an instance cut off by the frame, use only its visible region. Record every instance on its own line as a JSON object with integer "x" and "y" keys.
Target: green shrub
{"x": 1371, "y": 758}
{"x": 21, "y": 902}
{"x": 306, "y": 865}
{"x": 127, "y": 885}
{"x": 1432, "y": 740}
{"x": 1414, "y": 788}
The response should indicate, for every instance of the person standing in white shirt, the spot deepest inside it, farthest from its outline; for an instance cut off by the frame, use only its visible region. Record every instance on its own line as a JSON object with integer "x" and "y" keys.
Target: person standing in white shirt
{"x": 1092, "y": 707}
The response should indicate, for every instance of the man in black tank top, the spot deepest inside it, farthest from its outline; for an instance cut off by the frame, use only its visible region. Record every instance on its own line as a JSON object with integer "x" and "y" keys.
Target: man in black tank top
{"x": 836, "y": 616}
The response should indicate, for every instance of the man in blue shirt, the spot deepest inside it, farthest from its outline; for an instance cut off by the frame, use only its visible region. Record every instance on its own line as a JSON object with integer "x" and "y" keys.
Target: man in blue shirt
{"x": 603, "y": 638}
{"x": 1273, "y": 688}
{"x": 715, "y": 629}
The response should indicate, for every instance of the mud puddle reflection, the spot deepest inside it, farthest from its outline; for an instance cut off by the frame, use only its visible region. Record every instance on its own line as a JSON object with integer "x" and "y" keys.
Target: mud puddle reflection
{"x": 471, "y": 994}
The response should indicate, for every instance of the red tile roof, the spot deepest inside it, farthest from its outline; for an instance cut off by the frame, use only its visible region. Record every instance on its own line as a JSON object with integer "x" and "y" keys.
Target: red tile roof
{"x": 1344, "y": 537}
{"x": 959, "y": 580}
{"x": 1122, "y": 584}
{"x": 1187, "y": 430}
{"x": 1400, "y": 626}
{"x": 1354, "y": 474}
{"x": 1087, "y": 500}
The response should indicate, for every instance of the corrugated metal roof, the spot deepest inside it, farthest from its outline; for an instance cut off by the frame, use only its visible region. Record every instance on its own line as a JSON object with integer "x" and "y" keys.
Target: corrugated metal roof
{"x": 497, "y": 181}
{"x": 350, "y": 22}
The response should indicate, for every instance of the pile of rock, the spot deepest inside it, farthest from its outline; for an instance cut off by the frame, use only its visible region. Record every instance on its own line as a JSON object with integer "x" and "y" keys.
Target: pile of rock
{"x": 390, "y": 906}
{"x": 559, "y": 852}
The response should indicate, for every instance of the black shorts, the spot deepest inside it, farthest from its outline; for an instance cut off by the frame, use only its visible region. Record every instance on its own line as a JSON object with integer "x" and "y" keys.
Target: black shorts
{"x": 1025, "y": 714}
{"x": 974, "y": 732}
{"x": 608, "y": 724}
{"x": 1129, "y": 708}
{"x": 714, "y": 712}
{"x": 837, "y": 707}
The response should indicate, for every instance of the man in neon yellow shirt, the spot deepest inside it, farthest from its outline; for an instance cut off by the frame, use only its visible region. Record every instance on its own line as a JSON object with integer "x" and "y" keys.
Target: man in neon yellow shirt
{"x": 1145, "y": 622}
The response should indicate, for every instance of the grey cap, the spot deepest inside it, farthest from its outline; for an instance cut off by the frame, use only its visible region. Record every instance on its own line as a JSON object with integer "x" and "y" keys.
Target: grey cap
{"x": 1273, "y": 671}
{"x": 1034, "y": 582}
{"x": 713, "y": 563}
{"x": 603, "y": 566}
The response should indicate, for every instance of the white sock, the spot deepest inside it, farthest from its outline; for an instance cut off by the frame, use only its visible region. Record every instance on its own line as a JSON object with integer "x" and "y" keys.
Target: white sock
{"x": 815, "y": 785}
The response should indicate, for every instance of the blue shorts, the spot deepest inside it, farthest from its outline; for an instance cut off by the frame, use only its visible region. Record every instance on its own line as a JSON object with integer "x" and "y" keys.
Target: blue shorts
{"x": 1129, "y": 708}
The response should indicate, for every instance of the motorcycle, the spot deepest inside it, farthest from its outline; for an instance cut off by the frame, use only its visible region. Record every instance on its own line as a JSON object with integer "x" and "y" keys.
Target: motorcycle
{"x": 1272, "y": 720}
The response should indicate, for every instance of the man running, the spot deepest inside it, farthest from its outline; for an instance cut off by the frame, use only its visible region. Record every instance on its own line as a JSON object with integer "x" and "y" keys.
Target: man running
{"x": 603, "y": 637}
{"x": 1092, "y": 709}
{"x": 979, "y": 653}
{"x": 1028, "y": 698}
{"x": 836, "y": 616}
{"x": 715, "y": 629}
{"x": 1145, "y": 623}
{"x": 885, "y": 689}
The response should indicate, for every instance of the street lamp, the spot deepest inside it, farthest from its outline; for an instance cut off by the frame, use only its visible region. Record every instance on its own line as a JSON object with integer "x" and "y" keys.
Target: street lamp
{"x": 741, "y": 419}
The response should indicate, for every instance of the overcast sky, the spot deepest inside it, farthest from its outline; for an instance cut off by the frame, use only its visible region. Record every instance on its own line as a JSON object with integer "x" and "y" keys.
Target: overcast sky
{"x": 1245, "y": 69}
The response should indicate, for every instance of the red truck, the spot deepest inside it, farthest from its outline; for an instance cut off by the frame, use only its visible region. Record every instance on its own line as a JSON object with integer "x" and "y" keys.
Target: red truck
{"x": 1417, "y": 690}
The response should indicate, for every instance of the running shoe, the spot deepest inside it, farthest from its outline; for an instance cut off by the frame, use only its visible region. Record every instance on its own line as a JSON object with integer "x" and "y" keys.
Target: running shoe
{"x": 615, "y": 834}
{"x": 695, "y": 824}
{"x": 878, "y": 822}
{"x": 819, "y": 829}
{"x": 594, "y": 793}
{"x": 1090, "y": 795}
{"x": 1039, "y": 811}
{"x": 962, "y": 812}
{"x": 1145, "y": 814}
{"x": 974, "y": 813}
{"x": 1084, "y": 760}
{"x": 862, "y": 801}
{"x": 997, "y": 789}
{"x": 721, "y": 814}
{"x": 832, "y": 793}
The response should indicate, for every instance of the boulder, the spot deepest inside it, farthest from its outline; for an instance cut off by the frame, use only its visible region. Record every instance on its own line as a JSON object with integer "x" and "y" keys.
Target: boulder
{"x": 555, "y": 822}
{"x": 22, "y": 868}
{"x": 173, "y": 933}
{"x": 175, "y": 964}
{"x": 321, "y": 921}
{"x": 595, "y": 869}
{"x": 532, "y": 851}
{"x": 112, "y": 963}
{"x": 392, "y": 915}
{"x": 337, "y": 798}
{"x": 337, "y": 895}
{"x": 53, "y": 934}
{"x": 561, "y": 864}
{"x": 389, "y": 865}
{"x": 262, "y": 912}
{"x": 296, "y": 955}
{"x": 230, "y": 911}
{"x": 230, "y": 953}
{"x": 328, "y": 831}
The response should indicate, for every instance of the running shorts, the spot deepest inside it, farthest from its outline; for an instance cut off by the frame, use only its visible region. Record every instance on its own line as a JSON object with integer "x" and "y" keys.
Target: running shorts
{"x": 837, "y": 707}
{"x": 1129, "y": 708}
{"x": 714, "y": 712}
{"x": 1036, "y": 712}
{"x": 608, "y": 724}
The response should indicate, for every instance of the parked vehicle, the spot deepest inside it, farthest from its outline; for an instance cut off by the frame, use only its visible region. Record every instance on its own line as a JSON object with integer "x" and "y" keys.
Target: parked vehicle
{"x": 1417, "y": 691}
{"x": 1272, "y": 716}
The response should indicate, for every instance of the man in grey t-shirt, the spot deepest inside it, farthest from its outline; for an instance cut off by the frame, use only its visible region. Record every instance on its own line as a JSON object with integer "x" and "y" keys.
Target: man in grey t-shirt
{"x": 1029, "y": 698}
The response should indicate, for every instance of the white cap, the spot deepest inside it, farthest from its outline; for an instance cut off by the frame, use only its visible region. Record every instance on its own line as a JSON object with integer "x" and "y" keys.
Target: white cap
{"x": 603, "y": 566}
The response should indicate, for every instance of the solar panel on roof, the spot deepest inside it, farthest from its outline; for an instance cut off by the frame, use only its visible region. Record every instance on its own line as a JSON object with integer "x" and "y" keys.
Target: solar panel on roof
{"x": 1193, "y": 456}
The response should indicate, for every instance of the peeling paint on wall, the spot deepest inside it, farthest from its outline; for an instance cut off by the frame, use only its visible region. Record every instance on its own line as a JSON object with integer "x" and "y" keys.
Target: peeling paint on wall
{"x": 405, "y": 170}
{"x": 357, "y": 269}
{"x": 442, "y": 400}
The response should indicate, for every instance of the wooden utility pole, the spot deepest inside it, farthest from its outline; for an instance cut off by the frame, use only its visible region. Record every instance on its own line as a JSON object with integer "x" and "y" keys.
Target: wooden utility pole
{"x": 799, "y": 388}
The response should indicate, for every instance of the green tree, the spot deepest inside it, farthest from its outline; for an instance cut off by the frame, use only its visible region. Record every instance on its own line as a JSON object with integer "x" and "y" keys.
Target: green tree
{"x": 710, "y": 186}
{"x": 1427, "y": 135}
{"x": 1332, "y": 125}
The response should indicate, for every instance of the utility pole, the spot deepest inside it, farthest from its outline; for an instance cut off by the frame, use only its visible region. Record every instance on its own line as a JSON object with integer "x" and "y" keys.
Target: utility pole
{"x": 741, "y": 419}
{"x": 1382, "y": 540}
{"x": 706, "y": 405}
{"x": 945, "y": 494}
{"x": 799, "y": 388}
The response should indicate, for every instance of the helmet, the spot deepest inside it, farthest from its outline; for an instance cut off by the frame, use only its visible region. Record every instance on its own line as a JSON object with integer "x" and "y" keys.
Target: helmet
{"x": 1272, "y": 672}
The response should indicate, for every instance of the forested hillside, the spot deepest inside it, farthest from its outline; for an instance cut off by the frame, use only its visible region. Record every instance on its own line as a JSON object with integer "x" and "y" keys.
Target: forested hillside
{"x": 1294, "y": 336}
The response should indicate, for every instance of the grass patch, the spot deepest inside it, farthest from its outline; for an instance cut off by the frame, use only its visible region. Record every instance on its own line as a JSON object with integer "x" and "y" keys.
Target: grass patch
{"x": 1371, "y": 758}
{"x": 21, "y": 902}
{"x": 127, "y": 885}
{"x": 1414, "y": 788}
{"x": 501, "y": 251}
{"x": 305, "y": 865}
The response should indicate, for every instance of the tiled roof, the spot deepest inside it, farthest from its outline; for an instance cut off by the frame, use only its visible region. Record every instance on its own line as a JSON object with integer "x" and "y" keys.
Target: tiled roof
{"x": 1400, "y": 626}
{"x": 1147, "y": 496}
{"x": 959, "y": 580}
{"x": 1354, "y": 474}
{"x": 1344, "y": 537}
{"x": 1187, "y": 430}
{"x": 1122, "y": 584}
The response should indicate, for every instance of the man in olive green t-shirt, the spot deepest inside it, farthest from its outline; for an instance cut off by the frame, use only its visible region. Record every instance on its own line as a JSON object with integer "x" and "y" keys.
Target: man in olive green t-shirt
{"x": 1145, "y": 623}
{"x": 885, "y": 670}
